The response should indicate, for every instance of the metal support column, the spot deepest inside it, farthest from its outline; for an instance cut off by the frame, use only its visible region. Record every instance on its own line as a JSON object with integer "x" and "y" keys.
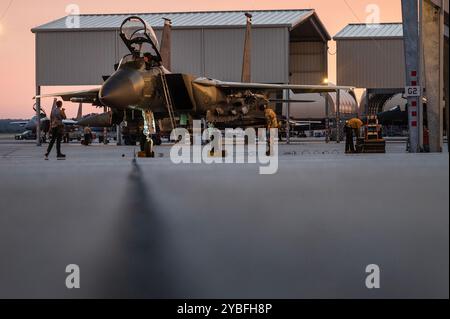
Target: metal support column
{"x": 411, "y": 43}
{"x": 38, "y": 114}
{"x": 421, "y": 78}
{"x": 367, "y": 108}
{"x": 327, "y": 118}
{"x": 338, "y": 116}
{"x": 446, "y": 89}
{"x": 288, "y": 117}
{"x": 105, "y": 130}
{"x": 433, "y": 48}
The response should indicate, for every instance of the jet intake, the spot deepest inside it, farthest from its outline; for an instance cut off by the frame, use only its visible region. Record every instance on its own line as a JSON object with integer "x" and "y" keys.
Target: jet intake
{"x": 97, "y": 120}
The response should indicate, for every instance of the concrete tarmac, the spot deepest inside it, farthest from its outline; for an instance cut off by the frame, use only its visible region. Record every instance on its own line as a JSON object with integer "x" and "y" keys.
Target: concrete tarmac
{"x": 153, "y": 229}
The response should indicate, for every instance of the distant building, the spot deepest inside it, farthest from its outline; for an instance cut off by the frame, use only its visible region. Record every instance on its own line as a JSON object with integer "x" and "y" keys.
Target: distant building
{"x": 372, "y": 57}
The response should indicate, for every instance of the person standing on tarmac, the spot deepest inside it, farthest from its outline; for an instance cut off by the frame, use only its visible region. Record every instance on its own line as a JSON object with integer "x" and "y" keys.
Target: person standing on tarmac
{"x": 57, "y": 129}
{"x": 87, "y": 135}
{"x": 349, "y": 145}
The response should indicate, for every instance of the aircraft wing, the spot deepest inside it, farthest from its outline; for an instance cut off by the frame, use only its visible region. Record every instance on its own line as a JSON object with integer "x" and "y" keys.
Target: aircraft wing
{"x": 290, "y": 101}
{"x": 86, "y": 96}
{"x": 304, "y": 123}
{"x": 272, "y": 87}
{"x": 20, "y": 123}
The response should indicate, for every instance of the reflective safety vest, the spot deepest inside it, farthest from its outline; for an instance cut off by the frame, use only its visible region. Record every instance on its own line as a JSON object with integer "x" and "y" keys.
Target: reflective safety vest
{"x": 271, "y": 118}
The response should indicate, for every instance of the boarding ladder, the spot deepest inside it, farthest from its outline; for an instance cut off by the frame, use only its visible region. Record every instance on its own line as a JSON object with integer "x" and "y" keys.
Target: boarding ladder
{"x": 167, "y": 97}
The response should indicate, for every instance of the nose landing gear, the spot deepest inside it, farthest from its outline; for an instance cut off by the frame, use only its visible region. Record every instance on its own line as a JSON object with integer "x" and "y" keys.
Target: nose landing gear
{"x": 149, "y": 130}
{"x": 148, "y": 148}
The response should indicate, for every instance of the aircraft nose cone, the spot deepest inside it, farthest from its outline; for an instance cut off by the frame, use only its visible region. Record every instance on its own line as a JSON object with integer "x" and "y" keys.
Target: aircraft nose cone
{"x": 122, "y": 89}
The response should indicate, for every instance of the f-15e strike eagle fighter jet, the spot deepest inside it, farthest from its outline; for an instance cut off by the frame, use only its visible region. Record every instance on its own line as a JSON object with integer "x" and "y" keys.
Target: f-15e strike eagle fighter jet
{"x": 142, "y": 81}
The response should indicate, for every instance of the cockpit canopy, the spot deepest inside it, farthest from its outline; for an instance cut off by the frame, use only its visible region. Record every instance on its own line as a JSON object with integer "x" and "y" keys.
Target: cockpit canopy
{"x": 139, "y": 38}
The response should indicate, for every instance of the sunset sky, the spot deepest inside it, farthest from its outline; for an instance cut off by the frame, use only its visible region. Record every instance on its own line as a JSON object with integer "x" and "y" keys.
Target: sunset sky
{"x": 17, "y": 17}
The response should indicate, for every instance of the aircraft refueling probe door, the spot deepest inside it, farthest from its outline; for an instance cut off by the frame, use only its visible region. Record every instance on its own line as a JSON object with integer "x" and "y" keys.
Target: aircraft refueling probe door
{"x": 140, "y": 38}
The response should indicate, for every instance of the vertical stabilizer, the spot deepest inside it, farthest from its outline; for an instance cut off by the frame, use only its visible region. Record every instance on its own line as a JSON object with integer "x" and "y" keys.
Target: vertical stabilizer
{"x": 54, "y": 105}
{"x": 247, "y": 61}
{"x": 166, "y": 42}
{"x": 80, "y": 112}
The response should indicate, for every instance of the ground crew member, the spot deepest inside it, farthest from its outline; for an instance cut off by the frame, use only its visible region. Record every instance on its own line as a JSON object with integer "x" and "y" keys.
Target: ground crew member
{"x": 352, "y": 128}
{"x": 355, "y": 124}
{"x": 87, "y": 135}
{"x": 271, "y": 123}
{"x": 57, "y": 129}
{"x": 271, "y": 118}
{"x": 349, "y": 145}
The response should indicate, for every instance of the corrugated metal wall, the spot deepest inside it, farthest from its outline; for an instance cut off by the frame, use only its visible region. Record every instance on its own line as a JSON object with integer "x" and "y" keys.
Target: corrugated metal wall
{"x": 223, "y": 53}
{"x": 75, "y": 58}
{"x": 270, "y": 55}
{"x": 224, "y": 49}
{"x": 187, "y": 53}
{"x": 308, "y": 64}
{"x": 82, "y": 58}
{"x": 375, "y": 64}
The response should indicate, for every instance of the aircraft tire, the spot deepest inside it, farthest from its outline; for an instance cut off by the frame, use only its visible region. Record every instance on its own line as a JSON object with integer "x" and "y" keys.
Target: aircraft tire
{"x": 148, "y": 152}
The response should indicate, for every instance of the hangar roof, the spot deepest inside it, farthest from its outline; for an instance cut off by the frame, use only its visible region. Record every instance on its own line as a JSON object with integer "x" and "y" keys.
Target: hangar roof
{"x": 370, "y": 31}
{"x": 287, "y": 18}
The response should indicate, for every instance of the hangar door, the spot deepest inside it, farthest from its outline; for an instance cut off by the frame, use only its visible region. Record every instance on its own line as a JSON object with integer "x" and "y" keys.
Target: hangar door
{"x": 307, "y": 62}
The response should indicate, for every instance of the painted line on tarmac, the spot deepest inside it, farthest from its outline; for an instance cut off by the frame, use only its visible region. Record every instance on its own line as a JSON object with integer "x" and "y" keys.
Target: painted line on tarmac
{"x": 9, "y": 153}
